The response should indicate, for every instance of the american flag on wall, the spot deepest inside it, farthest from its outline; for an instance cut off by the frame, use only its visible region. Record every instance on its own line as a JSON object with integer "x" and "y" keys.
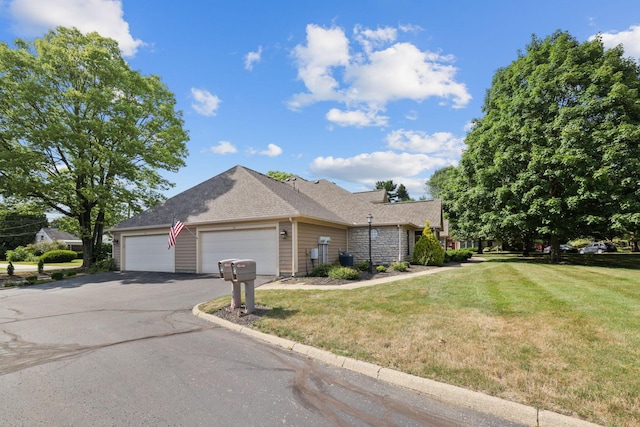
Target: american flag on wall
{"x": 176, "y": 228}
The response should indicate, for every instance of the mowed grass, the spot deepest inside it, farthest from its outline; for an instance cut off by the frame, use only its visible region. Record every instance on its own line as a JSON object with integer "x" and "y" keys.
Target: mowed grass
{"x": 563, "y": 338}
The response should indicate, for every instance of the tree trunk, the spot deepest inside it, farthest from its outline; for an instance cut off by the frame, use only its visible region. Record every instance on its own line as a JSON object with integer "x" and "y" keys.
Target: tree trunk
{"x": 554, "y": 253}
{"x": 480, "y": 246}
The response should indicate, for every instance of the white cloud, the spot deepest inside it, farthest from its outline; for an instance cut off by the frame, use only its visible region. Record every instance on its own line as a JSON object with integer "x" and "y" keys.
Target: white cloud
{"x": 366, "y": 81}
{"x": 325, "y": 49}
{"x": 106, "y": 17}
{"x": 272, "y": 151}
{"x": 370, "y": 39}
{"x": 375, "y": 166}
{"x": 356, "y": 118}
{"x": 630, "y": 40}
{"x": 223, "y": 147}
{"x": 444, "y": 144}
{"x": 251, "y": 58}
{"x": 204, "y": 102}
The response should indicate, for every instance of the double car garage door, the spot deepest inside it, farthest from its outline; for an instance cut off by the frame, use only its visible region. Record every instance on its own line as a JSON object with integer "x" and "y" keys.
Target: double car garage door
{"x": 150, "y": 253}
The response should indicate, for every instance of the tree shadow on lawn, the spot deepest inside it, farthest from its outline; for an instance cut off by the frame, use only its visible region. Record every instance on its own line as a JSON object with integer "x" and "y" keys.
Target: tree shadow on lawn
{"x": 610, "y": 260}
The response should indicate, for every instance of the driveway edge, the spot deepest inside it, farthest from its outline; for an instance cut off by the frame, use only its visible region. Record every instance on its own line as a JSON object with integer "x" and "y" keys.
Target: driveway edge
{"x": 446, "y": 393}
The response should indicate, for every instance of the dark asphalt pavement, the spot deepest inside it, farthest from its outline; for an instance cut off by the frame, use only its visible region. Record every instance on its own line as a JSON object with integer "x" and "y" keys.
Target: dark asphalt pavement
{"x": 124, "y": 349}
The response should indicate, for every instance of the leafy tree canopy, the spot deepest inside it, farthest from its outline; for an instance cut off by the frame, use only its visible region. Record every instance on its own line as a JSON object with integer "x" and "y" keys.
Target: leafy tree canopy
{"x": 280, "y": 176}
{"x": 83, "y": 133}
{"x": 556, "y": 154}
{"x": 440, "y": 181}
{"x": 19, "y": 223}
{"x": 395, "y": 193}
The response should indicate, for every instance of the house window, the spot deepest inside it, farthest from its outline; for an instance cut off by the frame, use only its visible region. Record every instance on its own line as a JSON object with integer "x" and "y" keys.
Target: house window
{"x": 408, "y": 243}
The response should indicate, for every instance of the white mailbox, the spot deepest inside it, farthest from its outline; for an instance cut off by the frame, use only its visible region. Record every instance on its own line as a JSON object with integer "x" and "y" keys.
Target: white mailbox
{"x": 224, "y": 267}
{"x": 243, "y": 270}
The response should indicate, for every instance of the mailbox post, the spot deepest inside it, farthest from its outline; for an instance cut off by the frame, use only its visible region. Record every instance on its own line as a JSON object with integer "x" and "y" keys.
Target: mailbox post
{"x": 225, "y": 268}
{"x": 238, "y": 271}
{"x": 244, "y": 271}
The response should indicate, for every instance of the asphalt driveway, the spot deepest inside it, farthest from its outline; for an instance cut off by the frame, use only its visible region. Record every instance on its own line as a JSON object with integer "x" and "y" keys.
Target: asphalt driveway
{"x": 125, "y": 349}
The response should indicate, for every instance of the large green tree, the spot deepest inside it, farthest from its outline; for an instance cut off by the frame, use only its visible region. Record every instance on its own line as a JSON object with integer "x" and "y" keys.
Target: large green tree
{"x": 439, "y": 181}
{"x": 82, "y": 132}
{"x": 19, "y": 224}
{"x": 557, "y": 153}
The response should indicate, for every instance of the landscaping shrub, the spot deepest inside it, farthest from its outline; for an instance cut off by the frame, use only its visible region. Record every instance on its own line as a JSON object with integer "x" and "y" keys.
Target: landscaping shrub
{"x": 458, "y": 255}
{"x": 103, "y": 266}
{"x": 40, "y": 248}
{"x": 381, "y": 269}
{"x": 362, "y": 266}
{"x": 321, "y": 271}
{"x": 40, "y": 265}
{"x": 57, "y": 275}
{"x": 400, "y": 266}
{"x": 58, "y": 256}
{"x": 346, "y": 273}
{"x": 70, "y": 273}
{"x": 428, "y": 250}
{"x": 32, "y": 279}
{"x": 20, "y": 254}
{"x": 10, "y": 269}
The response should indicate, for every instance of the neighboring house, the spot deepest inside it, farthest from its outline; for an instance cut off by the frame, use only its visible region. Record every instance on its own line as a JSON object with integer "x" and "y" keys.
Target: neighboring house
{"x": 286, "y": 227}
{"x": 50, "y": 235}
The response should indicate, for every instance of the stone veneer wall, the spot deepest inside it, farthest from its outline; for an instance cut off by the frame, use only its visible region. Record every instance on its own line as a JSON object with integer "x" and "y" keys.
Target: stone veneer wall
{"x": 384, "y": 247}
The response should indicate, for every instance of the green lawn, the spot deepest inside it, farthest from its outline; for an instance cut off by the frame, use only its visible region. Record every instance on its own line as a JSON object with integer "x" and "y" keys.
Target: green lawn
{"x": 564, "y": 338}
{"x": 76, "y": 263}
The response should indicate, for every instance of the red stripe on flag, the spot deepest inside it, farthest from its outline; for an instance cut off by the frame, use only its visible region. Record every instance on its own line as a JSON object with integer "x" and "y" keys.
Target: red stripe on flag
{"x": 173, "y": 233}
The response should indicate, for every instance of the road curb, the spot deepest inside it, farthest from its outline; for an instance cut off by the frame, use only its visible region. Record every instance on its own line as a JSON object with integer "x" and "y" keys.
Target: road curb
{"x": 446, "y": 393}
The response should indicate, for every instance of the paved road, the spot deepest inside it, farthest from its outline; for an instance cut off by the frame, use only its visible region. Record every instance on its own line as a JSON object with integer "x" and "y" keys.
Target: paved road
{"x": 125, "y": 349}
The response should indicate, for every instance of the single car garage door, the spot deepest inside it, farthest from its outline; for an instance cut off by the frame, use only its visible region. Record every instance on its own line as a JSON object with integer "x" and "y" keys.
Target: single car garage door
{"x": 259, "y": 244}
{"x": 148, "y": 253}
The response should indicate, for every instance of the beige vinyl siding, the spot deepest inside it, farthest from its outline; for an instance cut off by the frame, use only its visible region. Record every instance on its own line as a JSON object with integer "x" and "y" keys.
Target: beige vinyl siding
{"x": 308, "y": 238}
{"x": 285, "y": 248}
{"x": 186, "y": 258}
{"x": 116, "y": 248}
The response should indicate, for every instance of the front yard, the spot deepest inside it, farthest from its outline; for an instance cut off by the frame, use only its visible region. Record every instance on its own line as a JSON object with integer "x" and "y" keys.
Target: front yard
{"x": 564, "y": 338}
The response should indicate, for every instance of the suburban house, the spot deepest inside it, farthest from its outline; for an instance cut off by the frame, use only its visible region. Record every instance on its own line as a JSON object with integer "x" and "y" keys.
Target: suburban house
{"x": 288, "y": 227}
{"x": 50, "y": 235}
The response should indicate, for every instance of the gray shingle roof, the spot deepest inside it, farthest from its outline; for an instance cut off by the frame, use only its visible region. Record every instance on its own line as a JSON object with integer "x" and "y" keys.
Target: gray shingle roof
{"x": 235, "y": 195}
{"x": 241, "y": 194}
{"x": 55, "y": 234}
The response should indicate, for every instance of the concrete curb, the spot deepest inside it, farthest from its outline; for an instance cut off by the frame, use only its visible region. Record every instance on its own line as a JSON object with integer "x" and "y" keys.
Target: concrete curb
{"x": 446, "y": 393}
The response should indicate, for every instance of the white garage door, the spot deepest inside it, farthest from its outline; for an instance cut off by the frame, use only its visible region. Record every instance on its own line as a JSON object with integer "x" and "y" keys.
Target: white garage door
{"x": 148, "y": 253}
{"x": 257, "y": 244}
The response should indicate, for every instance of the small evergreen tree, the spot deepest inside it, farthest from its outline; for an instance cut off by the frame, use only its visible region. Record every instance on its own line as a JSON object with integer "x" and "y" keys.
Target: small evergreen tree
{"x": 428, "y": 250}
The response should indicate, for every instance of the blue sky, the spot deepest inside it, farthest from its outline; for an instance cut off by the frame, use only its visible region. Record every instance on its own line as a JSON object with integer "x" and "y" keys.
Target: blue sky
{"x": 351, "y": 91}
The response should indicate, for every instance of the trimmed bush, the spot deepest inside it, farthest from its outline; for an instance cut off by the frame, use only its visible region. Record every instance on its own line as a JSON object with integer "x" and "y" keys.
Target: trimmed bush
{"x": 321, "y": 271}
{"x": 400, "y": 266}
{"x": 32, "y": 279}
{"x": 458, "y": 255}
{"x": 57, "y": 275}
{"x": 381, "y": 269}
{"x": 20, "y": 254}
{"x": 70, "y": 273}
{"x": 10, "y": 269}
{"x": 102, "y": 266}
{"x": 58, "y": 256}
{"x": 428, "y": 250}
{"x": 346, "y": 273}
{"x": 362, "y": 266}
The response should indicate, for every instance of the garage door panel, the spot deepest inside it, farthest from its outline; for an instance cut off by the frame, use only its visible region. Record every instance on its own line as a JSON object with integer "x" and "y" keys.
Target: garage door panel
{"x": 257, "y": 244}
{"x": 148, "y": 253}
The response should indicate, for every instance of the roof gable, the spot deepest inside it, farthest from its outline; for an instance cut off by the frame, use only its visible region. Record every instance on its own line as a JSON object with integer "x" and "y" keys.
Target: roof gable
{"x": 234, "y": 195}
